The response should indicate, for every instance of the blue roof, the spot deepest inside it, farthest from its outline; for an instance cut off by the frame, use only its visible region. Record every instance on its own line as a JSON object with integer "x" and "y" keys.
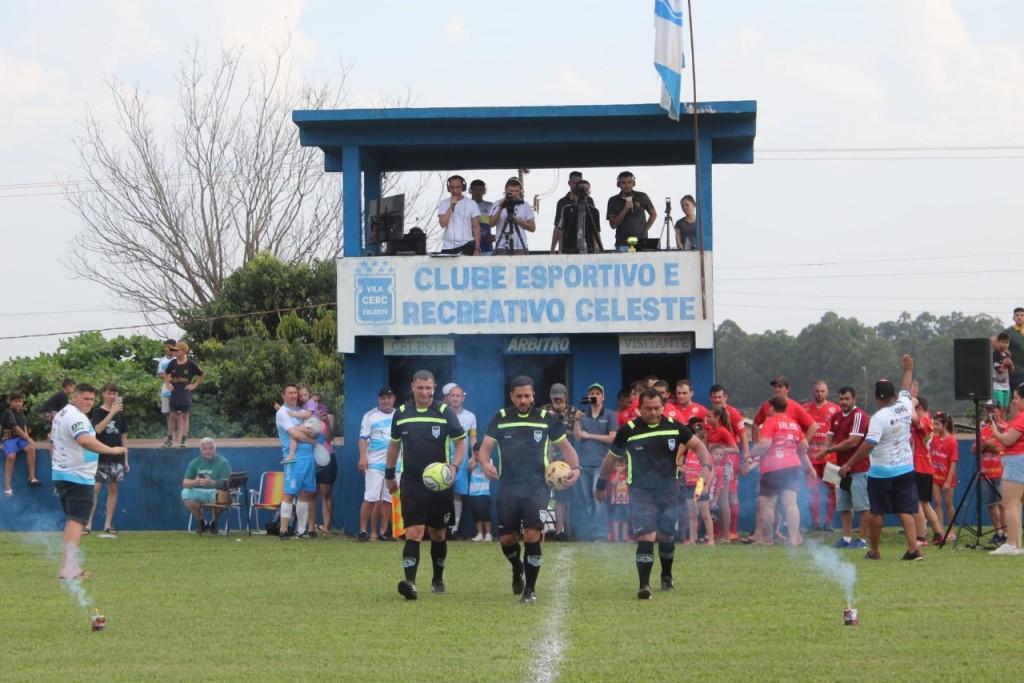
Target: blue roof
{"x": 418, "y": 139}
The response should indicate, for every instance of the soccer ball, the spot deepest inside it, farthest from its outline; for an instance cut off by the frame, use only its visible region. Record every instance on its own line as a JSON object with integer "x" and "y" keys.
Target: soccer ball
{"x": 556, "y": 473}
{"x": 437, "y": 477}
{"x": 321, "y": 455}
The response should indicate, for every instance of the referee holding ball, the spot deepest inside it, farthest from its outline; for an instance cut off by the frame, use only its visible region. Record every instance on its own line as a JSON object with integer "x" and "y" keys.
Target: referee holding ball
{"x": 422, "y": 429}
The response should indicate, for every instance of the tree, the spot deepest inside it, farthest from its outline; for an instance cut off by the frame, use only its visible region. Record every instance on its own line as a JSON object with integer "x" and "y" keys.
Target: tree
{"x": 167, "y": 221}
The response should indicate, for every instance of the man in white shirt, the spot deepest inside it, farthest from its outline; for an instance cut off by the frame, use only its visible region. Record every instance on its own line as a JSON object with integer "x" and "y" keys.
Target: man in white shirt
{"x": 460, "y": 218}
{"x": 511, "y": 219}
{"x": 892, "y": 486}
{"x": 374, "y": 437}
{"x": 455, "y": 396}
{"x": 76, "y": 452}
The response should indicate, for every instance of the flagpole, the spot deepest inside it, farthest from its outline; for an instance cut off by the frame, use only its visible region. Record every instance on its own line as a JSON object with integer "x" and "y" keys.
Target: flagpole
{"x": 696, "y": 162}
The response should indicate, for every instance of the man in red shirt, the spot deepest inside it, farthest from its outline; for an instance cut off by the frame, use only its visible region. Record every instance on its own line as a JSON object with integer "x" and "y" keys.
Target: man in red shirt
{"x": 781, "y": 451}
{"x": 720, "y": 398}
{"x": 685, "y": 403}
{"x": 670, "y": 409}
{"x": 921, "y": 429}
{"x": 992, "y": 469}
{"x": 795, "y": 411}
{"x": 821, "y": 411}
{"x": 846, "y": 430}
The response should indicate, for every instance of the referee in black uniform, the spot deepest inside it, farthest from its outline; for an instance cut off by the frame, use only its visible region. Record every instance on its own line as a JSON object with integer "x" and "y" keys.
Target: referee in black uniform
{"x": 423, "y": 427}
{"x": 651, "y": 445}
{"x": 521, "y": 434}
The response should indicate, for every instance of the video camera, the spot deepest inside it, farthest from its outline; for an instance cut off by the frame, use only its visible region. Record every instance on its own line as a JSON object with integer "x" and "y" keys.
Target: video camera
{"x": 588, "y": 399}
{"x": 512, "y": 200}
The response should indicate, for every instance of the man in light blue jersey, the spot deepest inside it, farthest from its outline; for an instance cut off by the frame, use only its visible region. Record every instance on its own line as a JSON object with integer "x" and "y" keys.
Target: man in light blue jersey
{"x": 374, "y": 437}
{"x": 300, "y": 474}
{"x": 892, "y": 485}
{"x": 76, "y": 452}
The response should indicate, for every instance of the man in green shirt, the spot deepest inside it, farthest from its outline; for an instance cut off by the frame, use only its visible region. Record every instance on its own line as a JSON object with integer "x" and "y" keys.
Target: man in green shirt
{"x": 200, "y": 483}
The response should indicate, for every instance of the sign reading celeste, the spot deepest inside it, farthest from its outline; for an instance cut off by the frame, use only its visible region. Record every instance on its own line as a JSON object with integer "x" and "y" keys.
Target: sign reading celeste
{"x": 558, "y": 294}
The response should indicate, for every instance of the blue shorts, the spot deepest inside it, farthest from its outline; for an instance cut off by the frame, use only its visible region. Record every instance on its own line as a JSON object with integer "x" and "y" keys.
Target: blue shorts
{"x": 199, "y": 495}
{"x": 461, "y": 484}
{"x": 12, "y": 446}
{"x": 856, "y": 499}
{"x": 893, "y": 494}
{"x": 300, "y": 476}
{"x": 990, "y": 494}
{"x": 1013, "y": 468}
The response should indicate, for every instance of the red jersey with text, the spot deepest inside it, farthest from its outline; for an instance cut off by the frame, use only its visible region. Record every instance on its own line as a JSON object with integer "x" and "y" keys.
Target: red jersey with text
{"x": 920, "y": 433}
{"x": 943, "y": 453}
{"x": 785, "y": 435}
{"x": 992, "y": 459}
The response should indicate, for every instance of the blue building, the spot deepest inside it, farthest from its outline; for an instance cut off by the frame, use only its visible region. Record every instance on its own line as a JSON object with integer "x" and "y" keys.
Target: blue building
{"x": 574, "y": 319}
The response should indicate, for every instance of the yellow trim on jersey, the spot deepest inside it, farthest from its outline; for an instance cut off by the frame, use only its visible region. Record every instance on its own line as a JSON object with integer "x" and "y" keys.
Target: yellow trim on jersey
{"x": 647, "y": 435}
{"x": 433, "y": 420}
{"x": 507, "y": 425}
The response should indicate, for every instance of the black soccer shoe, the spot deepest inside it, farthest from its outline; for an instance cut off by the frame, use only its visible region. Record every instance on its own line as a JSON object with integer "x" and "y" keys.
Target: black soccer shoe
{"x": 518, "y": 584}
{"x": 529, "y": 597}
{"x": 437, "y": 587}
{"x": 644, "y": 593}
{"x": 912, "y": 556}
{"x": 407, "y": 589}
{"x": 667, "y": 584}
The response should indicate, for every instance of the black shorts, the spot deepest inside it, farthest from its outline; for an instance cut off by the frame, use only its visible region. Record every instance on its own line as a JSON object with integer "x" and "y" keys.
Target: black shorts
{"x": 421, "y": 506}
{"x": 686, "y": 494}
{"x": 519, "y": 507}
{"x": 924, "y": 487}
{"x": 653, "y": 511}
{"x": 786, "y": 479}
{"x": 480, "y": 506}
{"x": 181, "y": 403}
{"x": 893, "y": 494}
{"x": 75, "y": 499}
{"x": 328, "y": 474}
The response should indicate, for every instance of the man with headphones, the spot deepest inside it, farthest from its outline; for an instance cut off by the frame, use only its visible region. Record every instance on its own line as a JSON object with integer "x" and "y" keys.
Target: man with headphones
{"x": 630, "y": 212}
{"x": 460, "y": 219}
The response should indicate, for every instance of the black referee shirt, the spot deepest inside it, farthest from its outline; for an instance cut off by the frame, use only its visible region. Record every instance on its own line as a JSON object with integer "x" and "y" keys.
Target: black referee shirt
{"x": 424, "y": 435}
{"x": 523, "y": 442}
{"x": 650, "y": 451}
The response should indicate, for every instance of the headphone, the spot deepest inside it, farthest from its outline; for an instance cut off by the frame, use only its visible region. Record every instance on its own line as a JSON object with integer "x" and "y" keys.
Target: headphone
{"x": 621, "y": 176}
{"x": 448, "y": 183}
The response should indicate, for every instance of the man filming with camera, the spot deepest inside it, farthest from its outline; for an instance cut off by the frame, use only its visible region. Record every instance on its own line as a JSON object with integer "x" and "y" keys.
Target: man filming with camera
{"x": 578, "y": 224}
{"x": 510, "y": 217}
{"x": 630, "y": 212}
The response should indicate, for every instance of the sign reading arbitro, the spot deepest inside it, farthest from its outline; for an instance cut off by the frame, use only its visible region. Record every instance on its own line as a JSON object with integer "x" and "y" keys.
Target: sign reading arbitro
{"x": 612, "y": 293}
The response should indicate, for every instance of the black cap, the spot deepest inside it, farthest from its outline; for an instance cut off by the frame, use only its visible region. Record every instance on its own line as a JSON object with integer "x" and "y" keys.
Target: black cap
{"x": 386, "y": 391}
{"x": 779, "y": 381}
{"x": 885, "y": 389}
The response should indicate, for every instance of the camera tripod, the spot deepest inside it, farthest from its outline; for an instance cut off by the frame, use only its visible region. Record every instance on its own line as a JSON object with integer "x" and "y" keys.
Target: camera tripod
{"x": 509, "y": 229}
{"x": 973, "y": 492}
{"x": 667, "y": 227}
{"x": 585, "y": 232}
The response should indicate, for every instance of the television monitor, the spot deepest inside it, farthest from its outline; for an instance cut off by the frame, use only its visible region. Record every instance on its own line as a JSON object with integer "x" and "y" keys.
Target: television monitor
{"x": 385, "y": 219}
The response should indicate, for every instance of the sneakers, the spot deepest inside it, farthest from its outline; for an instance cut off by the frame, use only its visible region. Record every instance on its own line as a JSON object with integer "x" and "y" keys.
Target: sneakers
{"x": 922, "y": 542}
{"x": 488, "y": 538}
{"x": 872, "y": 555}
{"x": 827, "y": 528}
{"x": 477, "y": 538}
{"x": 168, "y": 442}
{"x": 184, "y": 443}
{"x": 363, "y": 537}
{"x": 644, "y": 593}
{"x": 857, "y": 544}
{"x": 202, "y": 526}
{"x": 842, "y": 543}
{"x": 518, "y": 585}
{"x": 437, "y": 588}
{"x": 1006, "y": 549}
{"x": 529, "y": 597}
{"x": 34, "y": 483}
{"x": 286, "y": 535}
{"x": 387, "y": 537}
{"x": 305, "y": 535}
{"x": 998, "y": 539}
{"x": 407, "y": 589}
{"x": 666, "y": 583}
{"x": 915, "y": 556}
{"x": 109, "y": 532}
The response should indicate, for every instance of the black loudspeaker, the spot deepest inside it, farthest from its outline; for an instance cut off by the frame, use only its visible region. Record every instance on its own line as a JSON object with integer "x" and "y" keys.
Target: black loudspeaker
{"x": 972, "y": 369}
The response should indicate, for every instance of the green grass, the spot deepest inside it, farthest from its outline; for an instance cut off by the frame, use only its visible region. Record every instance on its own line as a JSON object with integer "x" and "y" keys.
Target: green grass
{"x": 187, "y": 608}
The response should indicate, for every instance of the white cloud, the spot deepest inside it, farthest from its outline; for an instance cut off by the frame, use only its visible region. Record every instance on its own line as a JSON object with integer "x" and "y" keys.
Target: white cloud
{"x": 455, "y": 28}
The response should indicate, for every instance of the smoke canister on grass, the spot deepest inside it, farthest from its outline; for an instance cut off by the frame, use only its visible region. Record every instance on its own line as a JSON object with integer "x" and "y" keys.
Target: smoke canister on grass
{"x": 97, "y": 621}
{"x": 850, "y": 617}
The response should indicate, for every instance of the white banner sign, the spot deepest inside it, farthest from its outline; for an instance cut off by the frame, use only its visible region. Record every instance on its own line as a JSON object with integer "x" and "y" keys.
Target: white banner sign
{"x": 654, "y": 343}
{"x": 542, "y": 294}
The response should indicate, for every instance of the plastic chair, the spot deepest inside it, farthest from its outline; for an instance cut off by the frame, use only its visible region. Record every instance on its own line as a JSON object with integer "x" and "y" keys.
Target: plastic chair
{"x": 268, "y": 497}
{"x": 237, "y": 484}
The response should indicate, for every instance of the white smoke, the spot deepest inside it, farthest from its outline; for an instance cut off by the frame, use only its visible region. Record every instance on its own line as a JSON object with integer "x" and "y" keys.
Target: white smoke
{"x": 42, "y": 539}
{"x": 832, "y": 564}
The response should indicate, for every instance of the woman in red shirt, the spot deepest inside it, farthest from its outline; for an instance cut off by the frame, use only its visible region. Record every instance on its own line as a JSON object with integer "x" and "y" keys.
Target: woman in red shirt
{"x": 1012, "y": 486}
{"x": 944, "y": 456}
{"x": 782, "y": 450}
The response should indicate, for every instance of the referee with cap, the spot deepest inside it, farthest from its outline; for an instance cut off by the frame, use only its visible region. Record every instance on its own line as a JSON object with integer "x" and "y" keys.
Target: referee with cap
{"x": 522, "y": 433}
{"x": 422, "y": 429}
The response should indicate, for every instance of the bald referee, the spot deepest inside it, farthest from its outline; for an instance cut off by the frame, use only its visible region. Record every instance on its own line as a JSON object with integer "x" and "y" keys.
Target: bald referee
{"x": 651, "y": 444}
{"x": 422, "y": 429}
{"x": 522, "y": 433}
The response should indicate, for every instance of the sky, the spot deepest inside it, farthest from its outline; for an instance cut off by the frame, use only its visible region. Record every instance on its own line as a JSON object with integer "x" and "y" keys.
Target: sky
{"x": 909, "y": 199}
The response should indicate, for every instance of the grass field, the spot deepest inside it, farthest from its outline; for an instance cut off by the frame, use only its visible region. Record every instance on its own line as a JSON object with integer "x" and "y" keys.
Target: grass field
{"x": 182, "y": 607}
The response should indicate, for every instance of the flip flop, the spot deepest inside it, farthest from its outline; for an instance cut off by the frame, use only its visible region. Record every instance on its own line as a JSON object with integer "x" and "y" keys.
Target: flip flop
{"x": 79, "y": 576}
{"x": 8, "y": 492}
{"x": 34, "y": 482}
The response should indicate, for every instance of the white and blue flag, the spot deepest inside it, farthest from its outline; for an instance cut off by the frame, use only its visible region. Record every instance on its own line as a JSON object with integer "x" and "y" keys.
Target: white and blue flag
{"x": 668, "y": 53}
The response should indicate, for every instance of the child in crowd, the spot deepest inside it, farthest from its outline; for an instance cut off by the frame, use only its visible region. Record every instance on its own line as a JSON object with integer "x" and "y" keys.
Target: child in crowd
{"x": 725, "y": 455}
{"x": 16, "y": 438}
{"x": 992, "y": 468}
{"x": 944, "y": 457}
{"x": 480, "y": 501}
{"x": 1002, "y": 366}
{"x": 618, "y": 502}
{"x": 698, "y": 507}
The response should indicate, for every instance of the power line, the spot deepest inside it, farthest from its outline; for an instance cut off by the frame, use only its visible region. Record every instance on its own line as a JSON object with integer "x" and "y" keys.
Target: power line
{"x": 863, "y": 275}
{"x": 926, "y": 148}
{"x": 863, "y": 261}
{"x": 987, "y": 157}
{"x": 852, "y": 310}
{"x": 169, "y": 322}
{"x": 803, "y": 295}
